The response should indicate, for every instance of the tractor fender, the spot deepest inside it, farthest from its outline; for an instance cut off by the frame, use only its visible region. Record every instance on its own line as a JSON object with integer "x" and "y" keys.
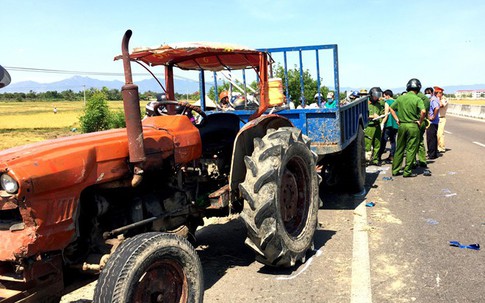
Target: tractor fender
{"x": 244, "y": 144}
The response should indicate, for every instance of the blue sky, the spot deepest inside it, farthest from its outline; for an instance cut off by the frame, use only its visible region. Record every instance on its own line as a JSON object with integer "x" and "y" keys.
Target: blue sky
{"x": 381, "y": 43}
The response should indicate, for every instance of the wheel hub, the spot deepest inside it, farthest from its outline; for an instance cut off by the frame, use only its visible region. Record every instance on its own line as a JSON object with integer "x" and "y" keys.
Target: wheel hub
{"x": 289, "y": 199}
{"x": 164, "y": 281}
{"x": 294, "y": 196}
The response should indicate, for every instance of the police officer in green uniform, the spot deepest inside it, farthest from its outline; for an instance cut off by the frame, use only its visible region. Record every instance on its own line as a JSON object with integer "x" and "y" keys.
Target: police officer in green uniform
{"x": 422, "y": 129}
{"x": 410, "y": 116}
{"x": 373, "y": 131}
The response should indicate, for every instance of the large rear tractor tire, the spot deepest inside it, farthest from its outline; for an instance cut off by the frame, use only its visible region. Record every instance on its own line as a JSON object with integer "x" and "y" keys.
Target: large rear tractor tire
{"x": 281, "y": 194}
{"x": 151, "y": 267}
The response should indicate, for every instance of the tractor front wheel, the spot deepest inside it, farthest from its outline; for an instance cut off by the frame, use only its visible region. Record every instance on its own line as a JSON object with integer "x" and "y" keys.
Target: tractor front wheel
{"x": 151, "y": 267}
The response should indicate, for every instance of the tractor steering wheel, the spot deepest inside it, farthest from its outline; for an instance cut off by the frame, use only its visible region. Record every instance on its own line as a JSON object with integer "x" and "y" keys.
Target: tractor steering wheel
{"x": 187, "y": 108}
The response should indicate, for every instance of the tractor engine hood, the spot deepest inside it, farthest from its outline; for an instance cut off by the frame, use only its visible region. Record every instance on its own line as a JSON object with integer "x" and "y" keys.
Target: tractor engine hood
{"x": 51, "y": 176}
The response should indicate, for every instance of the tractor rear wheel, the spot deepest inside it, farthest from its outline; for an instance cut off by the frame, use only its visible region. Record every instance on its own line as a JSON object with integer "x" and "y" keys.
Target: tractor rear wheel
{"x": 281, "y": 194}
{"x": 151, "y": 267}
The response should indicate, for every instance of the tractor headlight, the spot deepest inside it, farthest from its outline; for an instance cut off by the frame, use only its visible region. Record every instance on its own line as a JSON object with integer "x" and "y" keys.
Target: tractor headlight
{"x": 9, "y": 184}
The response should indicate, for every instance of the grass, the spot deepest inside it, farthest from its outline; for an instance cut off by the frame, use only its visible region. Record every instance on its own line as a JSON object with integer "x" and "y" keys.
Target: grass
{"x": 468, "y": 101}
{"x": 28, "y": 122}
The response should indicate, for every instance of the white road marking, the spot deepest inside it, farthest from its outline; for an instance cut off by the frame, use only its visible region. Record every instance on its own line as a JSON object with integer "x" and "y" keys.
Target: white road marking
{"x": 360, "y": 286}
{"x": 447, "y": 132}
{"x": 478, "y": 143}
{"x": 318, "y": 253}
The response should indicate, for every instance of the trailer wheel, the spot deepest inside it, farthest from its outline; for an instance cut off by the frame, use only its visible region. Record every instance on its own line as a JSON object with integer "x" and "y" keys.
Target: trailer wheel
{"x": 151, "y": 267}
{"x": 281, "y": 194}
{"x": 351, "y": 167}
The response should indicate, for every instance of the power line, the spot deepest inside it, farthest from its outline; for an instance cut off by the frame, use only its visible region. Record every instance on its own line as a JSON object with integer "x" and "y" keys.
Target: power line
{"x": 68, "y": 72}
{"x": 86, "y": 73}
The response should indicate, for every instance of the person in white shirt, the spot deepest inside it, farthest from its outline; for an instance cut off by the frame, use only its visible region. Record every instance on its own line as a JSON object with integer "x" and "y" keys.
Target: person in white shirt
{"x": 441, "y": 125}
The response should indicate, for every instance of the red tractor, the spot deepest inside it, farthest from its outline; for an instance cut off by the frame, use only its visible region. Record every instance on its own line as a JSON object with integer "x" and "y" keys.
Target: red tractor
{"x": 125, "y": 203}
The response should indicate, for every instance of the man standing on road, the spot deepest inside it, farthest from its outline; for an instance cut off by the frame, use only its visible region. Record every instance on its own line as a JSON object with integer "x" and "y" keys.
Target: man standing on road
{"x": 428, "y": 92}
{"x": 434, "y": 119}
{"x": 390, "y": 128}
{"x": 410, "y": 116}
{"x": 373, "y": 131}
{"x": 441, "y": 124}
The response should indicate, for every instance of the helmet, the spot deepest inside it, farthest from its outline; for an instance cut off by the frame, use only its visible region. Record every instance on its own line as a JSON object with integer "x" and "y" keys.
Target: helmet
{"x": 375, "y": 93}
{"x": 414, "y": 85}
{"x": 162, "y": 97}
{"x": 355, "y": 94}
{"x": 239, "y": 102}
{"x": 363, "y": 92}
{"x": 318, "y": 95}
{"x": 223, "y": 94}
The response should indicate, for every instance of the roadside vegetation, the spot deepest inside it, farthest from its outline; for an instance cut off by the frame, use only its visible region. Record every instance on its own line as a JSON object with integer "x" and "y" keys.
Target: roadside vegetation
{"x": 29, "y": 117}
{"x": 97, "y": 116}
{"x": 70, "y": 95}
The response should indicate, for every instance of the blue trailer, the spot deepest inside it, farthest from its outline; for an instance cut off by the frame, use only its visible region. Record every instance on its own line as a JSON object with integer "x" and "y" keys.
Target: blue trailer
{"x": 336, "y": 134}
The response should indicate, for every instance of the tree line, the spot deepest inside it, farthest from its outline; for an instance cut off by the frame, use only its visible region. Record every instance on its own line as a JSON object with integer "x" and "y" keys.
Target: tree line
{"x": 70, "y": 95}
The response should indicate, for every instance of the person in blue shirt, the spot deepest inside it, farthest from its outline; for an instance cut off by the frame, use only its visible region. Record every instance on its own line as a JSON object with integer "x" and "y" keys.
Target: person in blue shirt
{"x": 434, "y": 119}
{"x": 331, "y": 102}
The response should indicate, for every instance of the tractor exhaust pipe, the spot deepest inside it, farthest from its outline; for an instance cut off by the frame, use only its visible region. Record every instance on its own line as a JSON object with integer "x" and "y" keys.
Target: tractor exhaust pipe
{"x": 131, "y": 104}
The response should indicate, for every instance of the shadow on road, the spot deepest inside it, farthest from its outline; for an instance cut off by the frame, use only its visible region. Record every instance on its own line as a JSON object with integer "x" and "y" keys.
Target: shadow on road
{"x": 220, "y": 247}
{"x": 321, "y": 237}
{"x": 340, "y": 200}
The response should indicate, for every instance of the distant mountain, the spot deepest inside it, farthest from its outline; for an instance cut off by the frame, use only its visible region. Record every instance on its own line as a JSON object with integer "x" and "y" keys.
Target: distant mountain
{"x": 78, "y": 83}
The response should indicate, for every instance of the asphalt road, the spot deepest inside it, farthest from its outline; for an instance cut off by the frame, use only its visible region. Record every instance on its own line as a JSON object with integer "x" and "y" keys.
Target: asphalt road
{"x": 396, "y": 251}
{"x": 414, "y": 220}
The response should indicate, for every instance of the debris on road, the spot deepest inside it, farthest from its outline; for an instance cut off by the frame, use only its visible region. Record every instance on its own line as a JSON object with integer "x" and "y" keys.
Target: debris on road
{"x": 447, "y": 193}
{"x": 474, "y": 246}
{"x": 431, "y": 221}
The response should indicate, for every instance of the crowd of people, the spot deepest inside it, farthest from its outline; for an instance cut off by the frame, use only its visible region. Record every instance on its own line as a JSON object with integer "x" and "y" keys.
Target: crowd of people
{"x": 404, "y": 122}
